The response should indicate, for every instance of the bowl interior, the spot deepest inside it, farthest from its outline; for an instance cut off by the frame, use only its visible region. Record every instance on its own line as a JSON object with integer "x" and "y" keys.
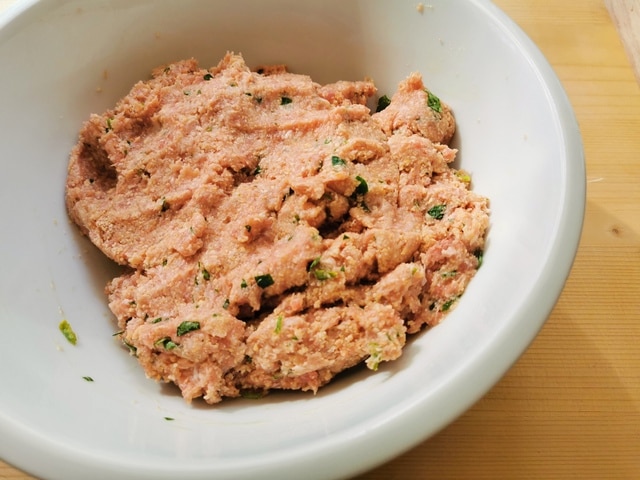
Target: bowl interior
{"x": 65, "y": 59}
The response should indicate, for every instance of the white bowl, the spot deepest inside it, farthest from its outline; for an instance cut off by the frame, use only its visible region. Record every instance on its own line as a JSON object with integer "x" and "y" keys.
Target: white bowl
{"x": 62, "y": 60}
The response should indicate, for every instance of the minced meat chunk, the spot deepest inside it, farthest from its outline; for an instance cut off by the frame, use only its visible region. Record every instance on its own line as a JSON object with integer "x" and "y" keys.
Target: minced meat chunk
{"x": 276, "y": 231}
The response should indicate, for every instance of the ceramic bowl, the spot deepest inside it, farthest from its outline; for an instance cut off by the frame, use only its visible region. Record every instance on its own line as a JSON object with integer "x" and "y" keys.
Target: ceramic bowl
{"x": 63, "y": 59}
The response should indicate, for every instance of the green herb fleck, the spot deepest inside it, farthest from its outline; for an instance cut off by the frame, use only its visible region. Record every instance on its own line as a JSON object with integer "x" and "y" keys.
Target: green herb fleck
{"x": 252, "y": 394}
{"x": 226, "y": 304}
{"x": 109, "y": 125}
{"x": 278, "y": 327}
{"x": 205, "y": 274}
{"x": 337, "y": 161}
{"x": 383, "y": 102}
{"x": 68, "y": 332}
{"x": 186, "y": 327}
{"x": 319, "y": 273}
{"x": 156, "y": 320}
{"x": 433, "y": 102}
{"x": 463, "y": 176}
{"x": 164, "y": 262}
{"x": 479, "y": 254}
{"x": 314, "y": 264}
{"x": 169, "y": 419}
{"x": 132, "y": 348}
{"x": 264, "y": 281}
{"x": 447, "y": 305}
{"x": 323, "y": 274}
{"x": 165, "y": 342}
{"x": 375, "y": 352}
{"x": 450, "y": 274}
{"x": 243, "y": 283}
{"x": 437, "y": 211}
{"x": 88, "y": 379}
{"x": 362, "y": 187}
{"x": 247, "y": 228}
{"x": 165, "y": 205}
{"x": 207, "y": 76}
{"x": 285, "y": 101}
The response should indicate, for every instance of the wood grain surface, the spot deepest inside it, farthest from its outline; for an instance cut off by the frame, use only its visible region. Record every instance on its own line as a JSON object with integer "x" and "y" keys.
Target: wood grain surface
{"x": 570, "y": 407}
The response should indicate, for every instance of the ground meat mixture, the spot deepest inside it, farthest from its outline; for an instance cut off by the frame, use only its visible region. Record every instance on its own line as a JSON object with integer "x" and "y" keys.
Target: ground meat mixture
{"x": 276, "y": 231}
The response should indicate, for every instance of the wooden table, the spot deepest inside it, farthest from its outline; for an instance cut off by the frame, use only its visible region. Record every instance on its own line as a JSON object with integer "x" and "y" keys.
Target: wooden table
{"x": 570, "y": 407}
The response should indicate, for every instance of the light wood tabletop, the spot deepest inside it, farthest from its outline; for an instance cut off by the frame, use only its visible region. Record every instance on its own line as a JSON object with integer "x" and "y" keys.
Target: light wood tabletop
{"x": 570, "y": 407}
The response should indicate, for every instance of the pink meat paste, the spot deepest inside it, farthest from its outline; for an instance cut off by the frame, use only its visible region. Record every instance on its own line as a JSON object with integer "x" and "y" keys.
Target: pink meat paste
{"x": 277, "y": 232}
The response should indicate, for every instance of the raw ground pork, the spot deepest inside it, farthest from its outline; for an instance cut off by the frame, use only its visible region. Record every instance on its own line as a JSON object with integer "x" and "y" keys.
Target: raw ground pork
{"x": 276, "y": 231}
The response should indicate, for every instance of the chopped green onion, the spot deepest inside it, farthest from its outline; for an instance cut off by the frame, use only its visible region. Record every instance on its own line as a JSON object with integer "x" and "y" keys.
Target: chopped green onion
{"x": 88, "y": 379}
{"x": 278, "y": 328}
{"x": 285, "y": 101}
{"x": 479, "y": 254}
{"x": 132, "y": 348}
{"x": 313, "y": 264}
{"x": 463, "y": 176}
{"x": 362, "y": 187}
{"x": 383, "y": 102}
{"x": 264, "y": 281}
{"x": 433, "y": 102}
{"x": 252, "y": 394}
{"x": 165, "y": 342}
{"x": 447, "y": 305}
{"x": 68, "y": 332}
{"x": 337, "y": 161}
{"x": 323, "y": 274}
{"x": 186, "y": 327}
{"x": 437, "y": 211}
{"x": 207, "y": 76}
{"x": 319, "y": 273}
